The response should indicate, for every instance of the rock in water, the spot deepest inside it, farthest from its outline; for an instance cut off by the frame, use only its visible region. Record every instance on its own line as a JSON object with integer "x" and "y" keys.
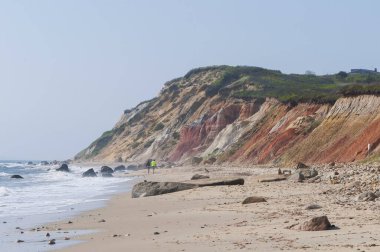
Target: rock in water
{"x": 89, "y": 173}
{"x": 253, "y": 199}
{"x": 316, "y": 224}
{"x": 107, "y": 175}
{"x": 366, "y": 196}
{"x": 132, "y": 167}
{"x": 119, "y": 168}
{"x": 63, "y": 168}
{"x": 106, "y": 169}
{"x": 17, "y": 177}
{"x": 145, "y": 189}
{"x": 52, "y": 242}
{"x": 301, "y": 166}
{"x": 198, "y": 176}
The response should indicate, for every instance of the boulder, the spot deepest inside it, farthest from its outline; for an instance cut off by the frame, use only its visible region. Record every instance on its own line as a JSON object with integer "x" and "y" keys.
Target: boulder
{"x": 119, "y": 168}
{"x": 44, "y": 163}
{"x": 89, "y": 173}
{"x": 272, "y": 178}
{"x": 297, "y": 177}
{"x": 16, "y": 177}
{"x": 106, "y": 169}
{"x": 316, "y": 224}
{"x": 132, "y": 167}
{"x": 30, "y": 163}
{"x": 107, "y": 175}
{"x": 196, "y": 160}
{"x": 301, "y": 166}
{"x": 199, "y": 176}
{"x": 148, "y": 188}
{"x": 309, "y": 173}
{"x": 63, "y": 168}
{"x": 253, "y": 199}
{"x": 366, "y": 196}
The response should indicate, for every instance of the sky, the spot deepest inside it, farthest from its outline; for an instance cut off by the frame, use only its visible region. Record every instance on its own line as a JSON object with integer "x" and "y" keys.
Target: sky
{"x": 69, "y": 68}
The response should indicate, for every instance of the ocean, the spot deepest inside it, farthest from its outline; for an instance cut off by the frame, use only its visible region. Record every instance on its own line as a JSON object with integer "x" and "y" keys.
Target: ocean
{"x": 46, "y": 195}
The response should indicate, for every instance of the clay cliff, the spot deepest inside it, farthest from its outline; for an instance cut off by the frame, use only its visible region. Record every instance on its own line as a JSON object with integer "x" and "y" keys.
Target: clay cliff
{"x": 249, "y": 115}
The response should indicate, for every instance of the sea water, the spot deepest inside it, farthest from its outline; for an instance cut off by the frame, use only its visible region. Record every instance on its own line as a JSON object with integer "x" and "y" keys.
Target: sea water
{"x": 46, "y": 195}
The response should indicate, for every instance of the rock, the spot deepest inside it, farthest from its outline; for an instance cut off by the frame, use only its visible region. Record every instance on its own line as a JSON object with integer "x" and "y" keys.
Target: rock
{"x": 196, "y": 160}
{"x": 106, "y": 169}
{"x": 89, "y": 173}
{"x": 377, "y": 193}
{"x": 210, "y": 160}
{"x": 273, "y": 178}
{"x": 132, "y": 167}
{"x": 366, "y": 196}
{"x": 156, "y": 233}
{"x": 67, "y": 238}
{"x": 44, "y": 163}
{"x": 145, "y": 189}
{"x": 297, "y": 177}
{"x": 19, "y": 241}
{"x": 313, "y": 206}
{"x": 119, "y": 168}
{"x": 149, "y": 188}
{"x": 316, "y": 224}
{"x": 16, "y": 177}
{"x": 47, "y": 235}
{"x": 119, "y": 160}
{"x": 309, "y": 173}
{"x": 107, "y": 175}
{"x": 63, "y": 168}
{"x": 198, "y": 176}
{"x": 102, "y": 220}
{"x": 301, "y": 166}
{"x": 52, "y": 242}
{"x": 332, "y": 164}
{"x": 253, "y": 199}
{"x": 30, "y": 163}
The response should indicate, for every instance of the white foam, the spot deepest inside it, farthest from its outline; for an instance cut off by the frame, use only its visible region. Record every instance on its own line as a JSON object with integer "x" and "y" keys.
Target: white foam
{"x": 4, "y": 191}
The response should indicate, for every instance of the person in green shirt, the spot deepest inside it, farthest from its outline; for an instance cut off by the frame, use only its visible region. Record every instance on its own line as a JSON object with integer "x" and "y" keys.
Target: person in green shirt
{"x": 153, "y": 164}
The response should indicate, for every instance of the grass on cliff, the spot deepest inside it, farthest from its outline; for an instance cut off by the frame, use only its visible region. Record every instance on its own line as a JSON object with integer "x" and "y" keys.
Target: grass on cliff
{"x": 254, "y": 82}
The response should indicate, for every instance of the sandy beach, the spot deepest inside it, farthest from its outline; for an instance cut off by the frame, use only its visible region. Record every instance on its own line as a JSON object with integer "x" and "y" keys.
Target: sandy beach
{"x": 214, "y": 218}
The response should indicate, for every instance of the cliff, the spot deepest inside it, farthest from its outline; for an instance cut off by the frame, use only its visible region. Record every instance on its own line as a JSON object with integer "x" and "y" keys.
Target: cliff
{"x": 249, "y": 115}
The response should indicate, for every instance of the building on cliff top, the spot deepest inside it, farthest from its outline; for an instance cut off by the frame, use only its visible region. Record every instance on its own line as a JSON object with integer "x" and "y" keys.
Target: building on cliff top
{"x": 363, "y": 71}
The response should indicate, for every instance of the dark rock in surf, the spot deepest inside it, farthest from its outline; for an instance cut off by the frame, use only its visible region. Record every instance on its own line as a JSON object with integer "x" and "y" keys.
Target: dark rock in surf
{"x": 107, "y": 175}
{"x": 63, "y": 168}
{"x": 119, "y": 168}
{"x": 106, "y": 169}
{"x": 16, "y": 177}
{"x": 89, "y": 173}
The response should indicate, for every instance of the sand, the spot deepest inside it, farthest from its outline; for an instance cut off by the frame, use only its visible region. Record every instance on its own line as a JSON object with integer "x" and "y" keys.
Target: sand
{"x": 213, "y": 218}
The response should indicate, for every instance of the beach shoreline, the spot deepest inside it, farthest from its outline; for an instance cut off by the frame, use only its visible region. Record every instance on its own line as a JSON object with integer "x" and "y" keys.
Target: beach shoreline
{"x": 214, "y": 219}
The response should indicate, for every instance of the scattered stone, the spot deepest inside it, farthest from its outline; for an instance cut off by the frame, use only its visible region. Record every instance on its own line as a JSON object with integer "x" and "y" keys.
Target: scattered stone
{"x": 19, "y": 241}
{"x": 199, "y": 176}
{"x": 156, "y": 233}
{"x": 132, "y": 167}
{"x": 309, "y": 173}
{"x": 332, "y": 164}
{"x": 69, "y": 222}
{"x": 366, "y": 196}
{"x": 52, "y": 242}
{"x": 30, "y": 163}
{"x": 63, "y": 168}
{"x": 106, "y": 169}
{"x": 119, "y": 168}
{"x": 316, "y": 224}
{"x": 47, "y": 235}
{"x": 253, "y": 199}
{"x": 89, "y": 173}
{"x": 16, "y": 177}
{"x": 301, "y": 165}
{"x": 67, "y": 238}
{"x": 313, "y": 206}
{"x": 102, "y": 220}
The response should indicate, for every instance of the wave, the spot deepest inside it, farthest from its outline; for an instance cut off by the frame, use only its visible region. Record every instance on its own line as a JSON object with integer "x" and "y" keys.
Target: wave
{"x": 4, "y": 191}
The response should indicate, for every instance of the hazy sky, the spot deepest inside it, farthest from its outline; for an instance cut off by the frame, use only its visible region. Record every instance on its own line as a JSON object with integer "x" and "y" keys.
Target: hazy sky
{"x": 68, "y": 69}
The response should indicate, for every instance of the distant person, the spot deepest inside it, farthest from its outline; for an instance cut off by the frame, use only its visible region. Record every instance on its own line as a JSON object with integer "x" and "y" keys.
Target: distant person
{"x": 148, "y": 164}
{"x": 153, "y": 164}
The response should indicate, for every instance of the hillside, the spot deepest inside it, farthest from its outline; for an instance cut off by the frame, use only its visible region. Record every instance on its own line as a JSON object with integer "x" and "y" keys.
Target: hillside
{"x": 249, "y": 115}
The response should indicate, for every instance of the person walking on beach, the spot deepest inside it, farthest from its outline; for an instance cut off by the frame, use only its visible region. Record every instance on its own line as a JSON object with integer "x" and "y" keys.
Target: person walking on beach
{"x": 148, "y": 164}
{"x": 153, "y": 164}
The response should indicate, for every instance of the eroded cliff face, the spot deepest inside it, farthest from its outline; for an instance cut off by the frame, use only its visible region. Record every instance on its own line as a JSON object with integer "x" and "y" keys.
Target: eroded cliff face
{"x": 185, "y": 124}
